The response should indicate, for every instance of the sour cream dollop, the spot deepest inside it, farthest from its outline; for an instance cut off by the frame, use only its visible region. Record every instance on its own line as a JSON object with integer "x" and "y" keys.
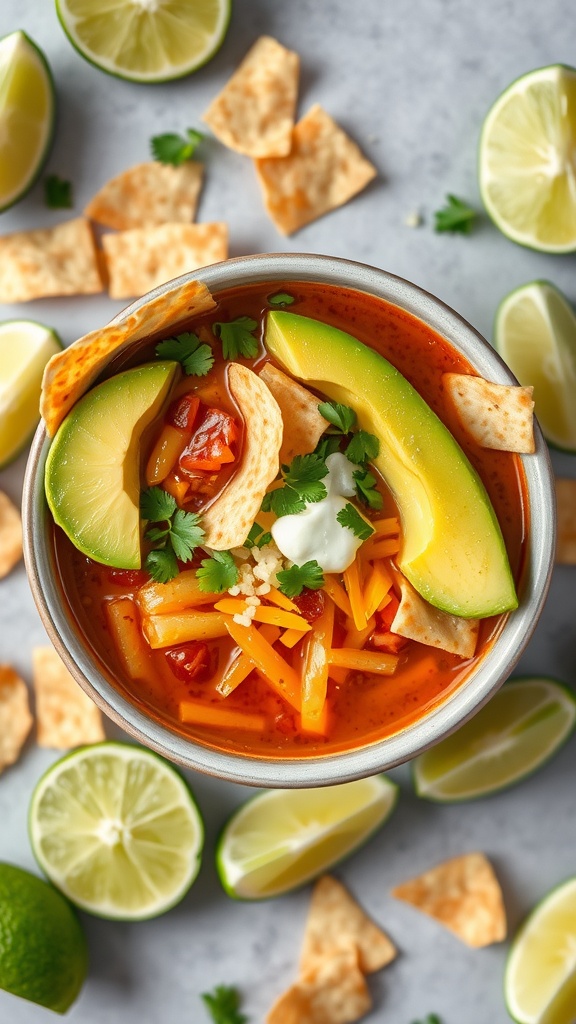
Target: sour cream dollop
{"x": 316, "y": 533}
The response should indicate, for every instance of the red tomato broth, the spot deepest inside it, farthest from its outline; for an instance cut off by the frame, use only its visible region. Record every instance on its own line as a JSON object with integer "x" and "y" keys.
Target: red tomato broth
{"x": 365, "y": 707}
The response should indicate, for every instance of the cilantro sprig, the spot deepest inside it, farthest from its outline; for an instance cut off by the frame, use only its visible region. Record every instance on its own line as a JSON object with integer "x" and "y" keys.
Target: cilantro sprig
{"x": 217, "y": 573}
{"x": 340, "y": 416}
{"x": 292, "y": 581}
{"x": 196, "y": 358}
{"x": 257, "y": 537}
{"x": 224, "y": 1004}
{"x": 175, "y": 536}
{"x": 58, "y": 193}
{"x": 237, "y": 337}
{"x": 350, "y": 517}
{"x": 302, "y": 483}
{"x": 175, "y": 149}
{"x": 363, "y": 447}
{"x": 456, "y": 216}
{"x": 281, "y": 299}
{"x": 366, "y": 489}
{"x": 431, "y": 1018}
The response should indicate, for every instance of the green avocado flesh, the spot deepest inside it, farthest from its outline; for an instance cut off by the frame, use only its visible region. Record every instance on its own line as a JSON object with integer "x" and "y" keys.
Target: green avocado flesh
{"x": 453, "y": 552}
{"x": 92, "y": 476}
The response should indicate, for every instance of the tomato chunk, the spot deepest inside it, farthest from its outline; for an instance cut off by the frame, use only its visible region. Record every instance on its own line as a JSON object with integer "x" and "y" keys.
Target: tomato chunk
{"x": 128, "y": 577}
{"x": 209, "y": 448}
{"x": 189, "y": 662}
{"x": 310, "y": 604}
{"x": 183, "y": 411}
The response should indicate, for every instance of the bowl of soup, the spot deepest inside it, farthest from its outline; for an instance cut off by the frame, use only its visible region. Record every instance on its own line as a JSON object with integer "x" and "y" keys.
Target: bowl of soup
{"x": 263, "y": 537}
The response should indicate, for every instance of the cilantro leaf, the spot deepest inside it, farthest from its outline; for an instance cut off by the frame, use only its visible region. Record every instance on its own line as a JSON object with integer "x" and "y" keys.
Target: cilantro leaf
{"x": 58, "y": 193}
{"x": 363, "y": 447}
{"x": 293, "y": 580}
{"x": 223, "y": 1004}
{"x": 162, "y": 565}
{"x": 156, "y": 505}
{"x": 350, "y": 517}
{"x": 431, "y": 1018}
{"x": 340, "y": 416}
{"x": 304, "y": 476}
{"x": 237, "y": 337}
{"x": 175, "y": 149}
{"x": 366, "y": 489}
{"x": 196, "y": 359}
{"x": 329, "y": 444}
{"x": 217, "y": 573}
{"x": 285, "y": 501}
{"x": 156, "y": 534}
{"x": 257, "y": 538}
{"x": 281, "y": 299}
{"x": 456, "y": 216}
{"x": 185, "y": 534}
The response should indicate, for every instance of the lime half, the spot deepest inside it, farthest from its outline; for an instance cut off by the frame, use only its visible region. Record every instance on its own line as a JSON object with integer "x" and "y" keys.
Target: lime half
{"x": 43, "y": 954}
{"x": 117, "y": 830}
{"x": 282, "y": 838}
{"x": 535, "y": 333}
{"x": 146, "y": 40}
{"x": 527, "y": 167}
{"x": 521, "y": 728}
{"x": 540, "y": 979}
{"x": 25, "y": 348}
{"x": 27, "y": 108}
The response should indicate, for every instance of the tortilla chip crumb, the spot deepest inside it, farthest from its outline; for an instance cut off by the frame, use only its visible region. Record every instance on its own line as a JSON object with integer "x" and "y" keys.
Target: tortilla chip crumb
{"x": 148, "y": 194}
{"x": 498, "y": 416}
{"x": 62, "y": 260}
{"x": 10, "y": 535}
{"x": 464, "y": 895}
{"x": 335, "y": 993}
{"x": 566, "y": 535}
{"x": 15, "y": 718}
{"x": 418, "y": 620}
{"x": 66, "y": 716}
{"x": 323, "y": 170}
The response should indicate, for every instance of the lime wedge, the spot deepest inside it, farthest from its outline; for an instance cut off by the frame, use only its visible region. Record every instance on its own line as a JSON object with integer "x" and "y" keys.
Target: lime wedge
{"x": 27, "y": 107}
{"x": 535, "y": 333}
{"x": 527, "y": 172}
{"x": 145, "y": 40}
{"x": 520, "y": 729}
{"x": 117, "y": 830}
{"x": 282, "y": 838}
{"x": 25, "y": 348}
{"x": 540, "y": 979}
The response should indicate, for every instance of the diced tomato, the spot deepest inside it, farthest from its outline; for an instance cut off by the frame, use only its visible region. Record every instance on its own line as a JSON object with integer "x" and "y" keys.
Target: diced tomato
{"x": 310, "y": 604}
{"x": 388, "y": 613}
{"x": 209, "y": 448}
{"x": 128, "y": 577}
{"x": 189, "y": 662}
{"x": 183, "y": 411}
{"x": 389, "y": 642}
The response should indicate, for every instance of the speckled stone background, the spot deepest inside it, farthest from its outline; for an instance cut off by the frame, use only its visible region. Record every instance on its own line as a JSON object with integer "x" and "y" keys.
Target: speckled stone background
{"x": 411, "y": 81}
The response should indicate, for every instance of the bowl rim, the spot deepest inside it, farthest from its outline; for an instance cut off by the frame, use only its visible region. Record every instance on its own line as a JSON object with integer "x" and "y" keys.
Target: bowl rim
{"x": 446, "y": 717}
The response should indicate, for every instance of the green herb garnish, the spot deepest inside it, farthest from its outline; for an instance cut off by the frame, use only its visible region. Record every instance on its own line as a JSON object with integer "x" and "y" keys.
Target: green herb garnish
{"x": 281, "y": 299}
{"x": 292, "y": 581}
{"x": 156, "y": 504}
{"x": 175, "y": 149}
{"x": 432, "y": 1018}
{"x": 57, "y": 193}
{"x": 237, "y": 337}
{"x": 340, "y": 416}
{"x": 177, "y": 536}
{"x": 218, "y": 573}
{"x": 350, "y": 517}
{"x": 196, "y": 358}
{"x": 363, "y": 447}
{"x": 366, "y": 489}
{"x": 329, "y": 444}
{"x": 302, "y": 483}
{"x": 224, "y": 1004}
{"x": 257, "y": 538}
{"x": 456, "y": 216}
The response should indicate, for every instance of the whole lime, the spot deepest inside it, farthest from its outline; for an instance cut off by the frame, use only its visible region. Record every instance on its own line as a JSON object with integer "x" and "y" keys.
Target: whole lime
{"x": 43, "y": 953}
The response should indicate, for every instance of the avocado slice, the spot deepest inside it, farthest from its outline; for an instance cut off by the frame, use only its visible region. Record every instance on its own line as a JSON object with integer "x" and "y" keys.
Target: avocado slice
{"x": 453, "y": 551}
{"x": 92, "y": 478}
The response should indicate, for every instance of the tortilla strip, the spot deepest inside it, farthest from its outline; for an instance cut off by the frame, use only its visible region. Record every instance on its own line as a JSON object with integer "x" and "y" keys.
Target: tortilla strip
{"x": 323, "y": 170}
{"x": 303, "y": 424}
{"x": 254, "y": 113}
{"x": 143, "y": 258}
{"x": 566, "y": 535}
{"x": 418, "y": 620}
{"x": 336, "y": 993}
{"x": 336, "y": 923}
{"x": 498, "y": 416}
{"x": 148, "y": 194}
{"x": 10, "y": 535}
{"x": 464, "y": 895}
{"x": 62, "y": 260}
{"x": 15, "y": 718}
{"x": 66, "y": 715}
{"x": 228, "y": 520}
{"x": 71, "y": 372}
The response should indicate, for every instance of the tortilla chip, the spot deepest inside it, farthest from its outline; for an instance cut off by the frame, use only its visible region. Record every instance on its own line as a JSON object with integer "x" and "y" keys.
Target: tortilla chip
{"x": 464, "y": 895}
{"x": 418, "y": 620}
{"x": 254, "y": 113}
{"x": 336, "y": 993}
{"x": 566, "y": 530}
{"x": 303, "y": 424}
{"x": 66, "y": 715}
{"x": 148, "y": 194}
{"x": 10, "y": 535}
{"x": 143, "y": 258}
{"x": 71, "y": 372}
{"x": 498, "y": 416}
{"x": 15, "y": 718}
{"x": 229, "y": 518}
{"x": 323, "y": 170}
{"x": 336, "y": 924}
{"x": 54, "y": 261}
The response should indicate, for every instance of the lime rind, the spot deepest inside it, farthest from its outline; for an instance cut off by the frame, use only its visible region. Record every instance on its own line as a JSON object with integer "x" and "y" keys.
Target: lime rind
{"x": 556, "y": 695}
{"x": 169, "y": 851}
{"x": 26, "y": 434}
{"x": 308, "y": 851}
